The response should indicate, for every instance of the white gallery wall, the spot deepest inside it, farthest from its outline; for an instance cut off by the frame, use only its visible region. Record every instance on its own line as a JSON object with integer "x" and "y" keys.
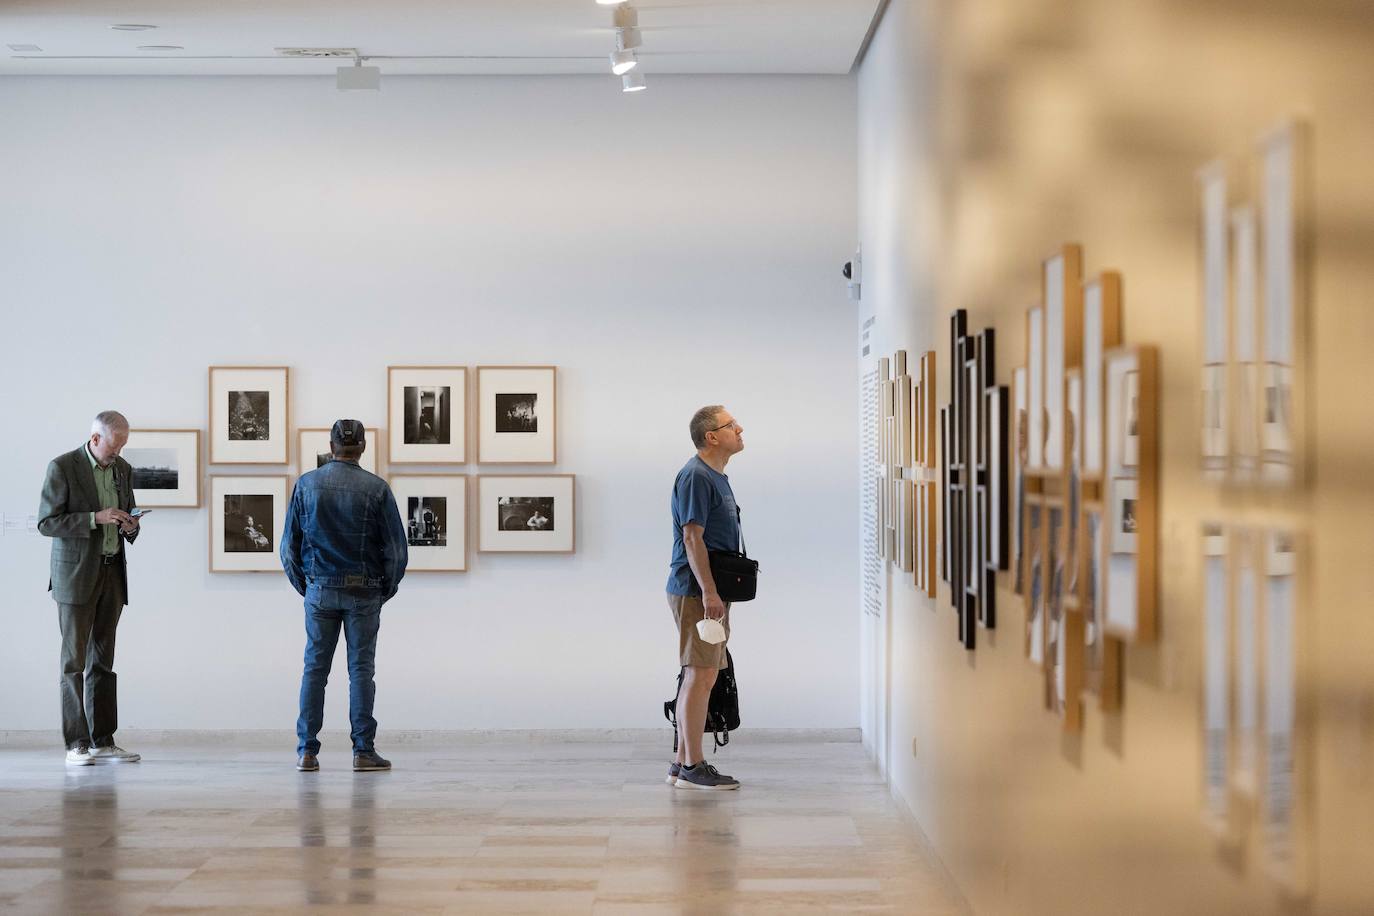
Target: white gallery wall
{"x": 665, "y": 250}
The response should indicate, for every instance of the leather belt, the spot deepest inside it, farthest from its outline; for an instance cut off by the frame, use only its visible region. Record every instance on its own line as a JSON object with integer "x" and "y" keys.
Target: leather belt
{"x": 108, "y": 559}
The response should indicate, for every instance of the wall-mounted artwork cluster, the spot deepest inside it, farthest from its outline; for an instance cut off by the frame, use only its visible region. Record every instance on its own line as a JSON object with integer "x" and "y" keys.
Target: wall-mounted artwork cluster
{"x": 1255, "y": 227}
{"x": 1085, "y": 424}
{"x": 1254, "y": 238}
{"x": 428, "y": 408}
{"x": 908, "y": 496}
{"x": 974, "y": 431}
{"x": 1256, "y": 718}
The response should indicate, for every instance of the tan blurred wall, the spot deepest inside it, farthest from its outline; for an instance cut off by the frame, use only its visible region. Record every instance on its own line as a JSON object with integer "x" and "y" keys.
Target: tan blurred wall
{"x": 990, "y": 131}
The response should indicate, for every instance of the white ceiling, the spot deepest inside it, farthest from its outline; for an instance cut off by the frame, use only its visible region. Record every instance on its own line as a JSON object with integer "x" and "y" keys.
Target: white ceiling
{"x": 239, "y": 37}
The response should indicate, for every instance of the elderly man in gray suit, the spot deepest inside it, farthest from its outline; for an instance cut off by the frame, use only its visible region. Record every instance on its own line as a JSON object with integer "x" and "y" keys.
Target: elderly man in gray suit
{"x": 86, "y": 508}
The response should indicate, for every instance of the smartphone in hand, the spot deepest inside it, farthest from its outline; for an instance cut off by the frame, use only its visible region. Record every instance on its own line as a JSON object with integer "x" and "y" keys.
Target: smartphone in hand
{"x": 139, "y": 513}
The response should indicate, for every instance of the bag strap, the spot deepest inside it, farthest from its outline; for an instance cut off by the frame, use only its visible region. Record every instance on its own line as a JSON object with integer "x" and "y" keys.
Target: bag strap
{"x": 739, "y": 525}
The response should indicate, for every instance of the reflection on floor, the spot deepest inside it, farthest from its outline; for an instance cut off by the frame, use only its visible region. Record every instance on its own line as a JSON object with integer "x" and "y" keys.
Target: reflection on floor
{"x": 487, "y": 828}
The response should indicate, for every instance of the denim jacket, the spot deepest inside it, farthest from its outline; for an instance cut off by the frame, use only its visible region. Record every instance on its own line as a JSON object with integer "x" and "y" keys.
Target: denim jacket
{"x": 343, "y": 530}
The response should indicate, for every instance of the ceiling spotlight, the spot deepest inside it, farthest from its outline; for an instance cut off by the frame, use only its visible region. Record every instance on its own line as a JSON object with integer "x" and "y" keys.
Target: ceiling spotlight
{"x": 628, "y": 38}
{"x": 132, "y": 27}
{"x": 623, "y": 62}
{"x": 358, "y": 77}
{"x": 633, "y": 82}
{"x": 625, "y": 17}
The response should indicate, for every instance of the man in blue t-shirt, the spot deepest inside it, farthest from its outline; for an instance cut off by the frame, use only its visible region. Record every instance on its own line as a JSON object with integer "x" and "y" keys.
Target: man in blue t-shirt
{"x": 704, "y": 518}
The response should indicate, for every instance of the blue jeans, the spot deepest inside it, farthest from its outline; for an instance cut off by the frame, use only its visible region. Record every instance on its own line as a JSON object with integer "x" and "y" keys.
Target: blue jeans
{"x": 360, "y": 617}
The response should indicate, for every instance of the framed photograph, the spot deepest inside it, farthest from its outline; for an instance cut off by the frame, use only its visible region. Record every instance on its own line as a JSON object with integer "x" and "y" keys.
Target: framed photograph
{"x": 1035, "y": 390}
{"x": 1216, "y": 331}
{"x": 166, "y": 467}
{"x": 247, "y": 516}
{"x": 1056, "y": 571}
{"x": 906, "y": 524}
{"x": 927, "y": 498}
{"x": 1216, "y": 680}
{"x": 946, "y": 494}
{"x": 994, "y": 439}
{"x": 1244, "y": 411}
{"x": 927, "y": 413}
{"x": 1061, "y": 289}
{"x": 1285, "y": 231}
{"x": 426, "y": 414}
{"x": 1018, "y": 435}
{"x": 1101, "y": 331}
{"x": 1132, "y": 499}
{"x": 434, "y": 510}
{"x": 1245, "y": 565}
{"x": 517, "y": 415}
{"x": 1284, "y": 806}
{"x": 250, "y": 413}
{"x": 312, "y": 449}
{"x": 526, "y": 513}
{"x": 1090, "y": 594}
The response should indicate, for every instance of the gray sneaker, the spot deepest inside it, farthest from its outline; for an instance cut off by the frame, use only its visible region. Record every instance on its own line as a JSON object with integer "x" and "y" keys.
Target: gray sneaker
{"x": 79, "y": 756}
{"x": 704, "y": 776}
{"x": 113, "y": 753}
{"x": 673, "y": 769}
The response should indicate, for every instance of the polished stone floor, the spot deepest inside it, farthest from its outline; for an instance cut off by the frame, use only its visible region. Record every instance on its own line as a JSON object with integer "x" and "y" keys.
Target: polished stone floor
{"x": 482, "y": 828}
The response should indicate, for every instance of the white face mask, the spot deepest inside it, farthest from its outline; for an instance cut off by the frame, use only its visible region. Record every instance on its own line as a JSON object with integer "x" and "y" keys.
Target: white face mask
{"x": 712, "y": 631}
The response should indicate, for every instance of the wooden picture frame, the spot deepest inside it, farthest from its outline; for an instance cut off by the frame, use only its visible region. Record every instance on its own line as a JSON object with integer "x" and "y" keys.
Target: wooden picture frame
{"x": 240, "y": 540}
{"x": 1036, "y": 580}
{"x": 1018, "y": 436}
{"x": 504, "y": 520}
{"x": 427, "y": 414}
{"x": 1062, "y": 295}
{"x": 1035, "y": 389}
{"x": 517, "y": 414}
{"x": 1101, "y": 332}
{"x": 1132, "y": 583}
{"x": 250, "y": 414}
{"x": 166, "y": 467}
{"x": 434, "y": 513}
{"x": 312, "y": 442}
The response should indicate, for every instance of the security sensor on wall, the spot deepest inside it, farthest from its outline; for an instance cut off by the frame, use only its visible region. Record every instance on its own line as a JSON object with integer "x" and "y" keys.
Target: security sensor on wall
{"x": 852, "y": 271}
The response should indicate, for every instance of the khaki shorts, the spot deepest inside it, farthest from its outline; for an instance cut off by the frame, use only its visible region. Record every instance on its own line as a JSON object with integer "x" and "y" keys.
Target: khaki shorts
{"x": 693, "y": 651}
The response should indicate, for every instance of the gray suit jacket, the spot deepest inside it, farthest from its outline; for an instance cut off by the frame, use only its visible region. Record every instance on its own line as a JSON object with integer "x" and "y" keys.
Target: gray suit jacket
{"x": 64, "y": 514}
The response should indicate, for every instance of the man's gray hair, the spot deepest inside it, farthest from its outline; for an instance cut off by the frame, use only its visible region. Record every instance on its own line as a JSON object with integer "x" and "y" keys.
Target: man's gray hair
{"x": 109, "y": 421}
{"x": 703, "y": 421}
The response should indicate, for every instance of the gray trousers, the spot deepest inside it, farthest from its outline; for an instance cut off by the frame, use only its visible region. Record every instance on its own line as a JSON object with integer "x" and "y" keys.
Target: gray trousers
{"x": 90, "y": 711}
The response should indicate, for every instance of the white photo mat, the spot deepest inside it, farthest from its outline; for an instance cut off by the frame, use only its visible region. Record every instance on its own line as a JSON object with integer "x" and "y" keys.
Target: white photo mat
{"x": 256, "y": 508}
{"x": 427, "y": 414}
{"x": 434, "y": 513}
{"x": 517, "y": 415}
{"x": 166, "y": 467}
{"x": 1054, "y": 362}
{"x": 240, "y": 396}
{"x": 510, "y": 506}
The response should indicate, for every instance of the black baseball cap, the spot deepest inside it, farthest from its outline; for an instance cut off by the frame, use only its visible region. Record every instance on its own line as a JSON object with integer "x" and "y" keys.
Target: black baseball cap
{"x": 348, "y": 432}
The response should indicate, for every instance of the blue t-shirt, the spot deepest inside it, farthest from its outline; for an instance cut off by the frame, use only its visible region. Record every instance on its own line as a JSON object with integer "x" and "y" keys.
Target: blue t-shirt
{"x": 701, "y": 496}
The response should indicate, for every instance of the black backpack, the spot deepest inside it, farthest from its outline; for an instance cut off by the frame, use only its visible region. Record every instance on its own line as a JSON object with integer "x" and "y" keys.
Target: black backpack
{"x": 722, "y": 711}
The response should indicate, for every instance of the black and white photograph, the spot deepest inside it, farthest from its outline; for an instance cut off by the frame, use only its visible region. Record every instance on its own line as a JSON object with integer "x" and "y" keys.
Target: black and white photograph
{"x": 426, "y": 521}
{"x": 516, "y": 413}
{"x": 427, "y": 414}
{"x": 1035, "y": 588}
{"x": 246, "y": 518}
{"x": 248, "y": 523}
{"x": 166, "y": 467}
{"x": 1124, "y": 519}
{"x": 313, "y": 450}
{"x": 526, "y": 513}
{"x": 517, "y": 417}
{"x": 1130, "y": 443}
{"x": 249, "y": 416}
{"x": 434, "y": 511}
{"x": 153, "y": 468}
{"x": 323, "y": 458}
{"x": 428, "y": 411}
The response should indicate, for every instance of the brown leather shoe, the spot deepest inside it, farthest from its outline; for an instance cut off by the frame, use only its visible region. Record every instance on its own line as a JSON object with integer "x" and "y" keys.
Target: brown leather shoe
{"x": 308, "y": 763}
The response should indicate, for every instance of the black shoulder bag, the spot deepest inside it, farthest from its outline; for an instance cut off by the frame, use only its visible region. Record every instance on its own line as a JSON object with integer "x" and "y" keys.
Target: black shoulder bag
{"x": 737, "y": 576}
{"x": 722, "y": 710}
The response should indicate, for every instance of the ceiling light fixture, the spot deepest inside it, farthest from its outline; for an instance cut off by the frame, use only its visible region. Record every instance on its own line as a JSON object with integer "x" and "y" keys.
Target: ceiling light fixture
{"x": 633, "y": 82}
{"x": 358, "y": 77}
{"x": 628, "y": 38}
{"x": 132, "y": 27}
{"x": 623, "y": 62}
{"x": 625, "y": 17}
{"x": 610, "y": 2}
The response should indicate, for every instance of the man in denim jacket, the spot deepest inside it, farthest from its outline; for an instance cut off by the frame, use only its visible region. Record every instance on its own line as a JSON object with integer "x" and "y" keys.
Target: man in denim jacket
{"x": 344, "y": 550}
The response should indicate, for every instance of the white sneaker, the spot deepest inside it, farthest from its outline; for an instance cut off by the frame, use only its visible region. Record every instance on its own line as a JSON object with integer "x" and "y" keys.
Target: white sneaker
{"x": 79, "y": 757}
{"x": 113, "y": 753}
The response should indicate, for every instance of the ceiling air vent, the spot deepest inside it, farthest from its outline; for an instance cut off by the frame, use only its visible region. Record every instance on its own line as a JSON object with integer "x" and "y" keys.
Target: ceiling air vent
{"x": 348, "y": 53}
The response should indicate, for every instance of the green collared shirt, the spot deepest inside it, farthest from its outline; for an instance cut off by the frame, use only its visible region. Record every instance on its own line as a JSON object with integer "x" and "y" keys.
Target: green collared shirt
{"x": 109, "y": 499}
